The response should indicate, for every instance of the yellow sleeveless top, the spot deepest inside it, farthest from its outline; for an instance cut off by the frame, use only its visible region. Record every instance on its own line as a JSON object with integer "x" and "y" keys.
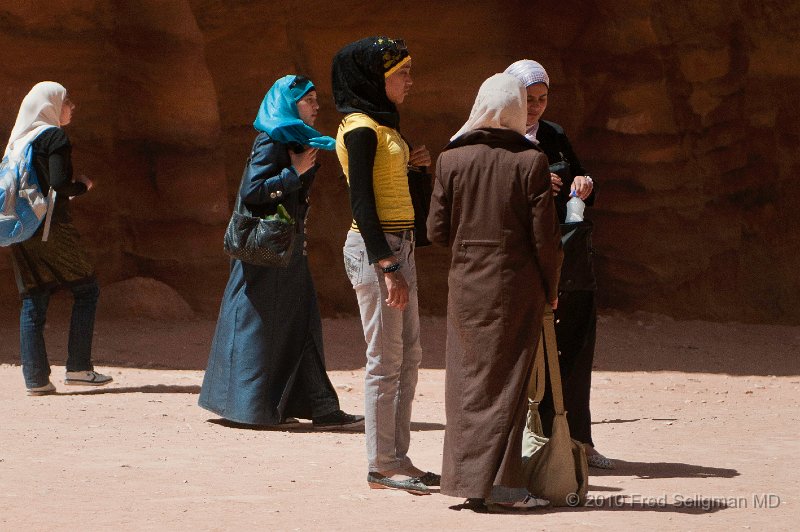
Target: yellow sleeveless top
{"x": 389, "y": 172}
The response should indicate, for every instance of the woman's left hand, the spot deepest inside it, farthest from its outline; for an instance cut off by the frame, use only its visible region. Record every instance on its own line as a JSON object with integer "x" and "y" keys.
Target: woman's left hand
{"x": 555, "y": 183}
{"x": 419, "y": 156}
{"x": 582, "y": 185}
{"x": 86, "y": 181}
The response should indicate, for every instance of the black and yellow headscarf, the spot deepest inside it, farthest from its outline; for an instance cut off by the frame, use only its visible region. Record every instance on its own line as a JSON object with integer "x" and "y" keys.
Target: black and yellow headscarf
{"x": 359, "y": 73}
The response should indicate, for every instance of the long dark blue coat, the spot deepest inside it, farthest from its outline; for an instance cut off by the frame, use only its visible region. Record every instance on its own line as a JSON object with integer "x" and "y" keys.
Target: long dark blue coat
{"x": 269, "y": 318}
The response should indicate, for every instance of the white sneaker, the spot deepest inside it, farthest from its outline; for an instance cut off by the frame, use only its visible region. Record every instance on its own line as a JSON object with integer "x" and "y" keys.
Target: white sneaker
{"x": 86, "y": 378}
{"x": 47, "y": 389}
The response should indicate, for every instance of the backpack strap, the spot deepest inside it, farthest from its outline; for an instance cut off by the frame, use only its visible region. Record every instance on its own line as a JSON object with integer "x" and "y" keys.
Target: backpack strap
{"x": 48, "y": 217}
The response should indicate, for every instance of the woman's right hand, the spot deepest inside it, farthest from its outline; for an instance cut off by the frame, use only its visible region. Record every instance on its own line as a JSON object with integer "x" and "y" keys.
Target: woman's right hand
{"x": 396, "y": 286}
{"x": 303, "y": 162}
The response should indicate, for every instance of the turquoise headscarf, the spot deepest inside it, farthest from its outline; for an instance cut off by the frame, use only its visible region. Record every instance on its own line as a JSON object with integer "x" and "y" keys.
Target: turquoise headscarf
{"x": 278, "y": 116}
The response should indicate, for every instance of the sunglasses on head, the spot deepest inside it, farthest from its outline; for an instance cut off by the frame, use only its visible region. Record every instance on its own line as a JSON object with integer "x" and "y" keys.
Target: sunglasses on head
{"x": 298, "y": 80}
{"x": 385, "y": 43}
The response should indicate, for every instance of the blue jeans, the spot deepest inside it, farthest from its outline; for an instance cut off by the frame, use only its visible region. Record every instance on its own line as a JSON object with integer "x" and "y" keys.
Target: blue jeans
{"x": 33, "y": 353}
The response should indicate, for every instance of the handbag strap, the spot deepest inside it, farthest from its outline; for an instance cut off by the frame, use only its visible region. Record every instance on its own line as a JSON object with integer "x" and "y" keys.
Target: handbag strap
{"x": 549, "y": 348}
{"x": 239, "y": 206}
{"x": 536, "y": 382}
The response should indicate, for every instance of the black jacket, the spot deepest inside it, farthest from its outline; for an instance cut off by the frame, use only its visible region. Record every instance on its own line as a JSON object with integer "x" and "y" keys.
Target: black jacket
{"x": 555, "y": 144}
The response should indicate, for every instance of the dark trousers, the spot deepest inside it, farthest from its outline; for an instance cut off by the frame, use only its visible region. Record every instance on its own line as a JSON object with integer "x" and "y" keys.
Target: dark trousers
{"x": 33, "y": 315}
{"x": 312, "y": 387}
{"x": 576, "y": 331}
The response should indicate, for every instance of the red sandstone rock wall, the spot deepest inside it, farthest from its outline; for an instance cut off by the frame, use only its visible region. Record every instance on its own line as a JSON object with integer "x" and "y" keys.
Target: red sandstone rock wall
{"x": 684, "y": 111}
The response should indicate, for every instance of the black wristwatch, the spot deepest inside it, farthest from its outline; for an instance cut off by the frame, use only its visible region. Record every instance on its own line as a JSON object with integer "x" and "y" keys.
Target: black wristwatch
{"x": 391, "y": 268}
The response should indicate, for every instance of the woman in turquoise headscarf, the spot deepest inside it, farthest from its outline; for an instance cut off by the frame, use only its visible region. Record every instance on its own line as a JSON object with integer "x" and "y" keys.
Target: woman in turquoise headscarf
{"x": 267, "y": 363}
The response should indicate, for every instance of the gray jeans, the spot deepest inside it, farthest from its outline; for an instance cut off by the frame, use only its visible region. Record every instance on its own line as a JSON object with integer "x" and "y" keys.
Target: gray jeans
{"x": 393, "y": 352}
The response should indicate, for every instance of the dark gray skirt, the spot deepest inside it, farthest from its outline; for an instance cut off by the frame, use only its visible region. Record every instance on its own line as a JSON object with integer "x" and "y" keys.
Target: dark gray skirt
{"x": 45, "y": 266}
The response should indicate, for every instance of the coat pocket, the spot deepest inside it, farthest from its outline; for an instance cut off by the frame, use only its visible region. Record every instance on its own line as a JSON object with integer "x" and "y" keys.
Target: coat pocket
{"x": 478, "y": 282}
{"x": 481, "y": 243}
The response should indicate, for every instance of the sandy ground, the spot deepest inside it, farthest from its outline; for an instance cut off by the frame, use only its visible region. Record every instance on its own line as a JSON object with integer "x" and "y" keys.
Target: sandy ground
{"x": 702, "y": 419}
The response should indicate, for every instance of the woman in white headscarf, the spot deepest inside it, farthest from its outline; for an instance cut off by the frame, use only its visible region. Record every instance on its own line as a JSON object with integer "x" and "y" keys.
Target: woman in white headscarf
{"x": 576, "y": 317}
{"x": 493, "y": 207}
{"x": 43, "y": 266}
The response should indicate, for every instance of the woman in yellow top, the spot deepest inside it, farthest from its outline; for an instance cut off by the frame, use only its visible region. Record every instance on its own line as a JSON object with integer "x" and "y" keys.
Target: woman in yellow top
{"x": 389, "y": 197}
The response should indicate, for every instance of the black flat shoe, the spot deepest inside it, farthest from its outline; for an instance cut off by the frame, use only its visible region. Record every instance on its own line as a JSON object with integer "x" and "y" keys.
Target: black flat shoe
{"x": 431, "y": 479}
{"x": 476, "y": 505}
{"x": 338, "y": 420}
{"x": 412, "y": 485}
{"x": 290, "y": 423}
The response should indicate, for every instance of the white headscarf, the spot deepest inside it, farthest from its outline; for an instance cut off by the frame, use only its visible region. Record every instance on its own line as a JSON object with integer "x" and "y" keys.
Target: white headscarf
{"x": 530, "y": 73}
{"x": 500, "y": 104}
{"x": 40, "y": 109}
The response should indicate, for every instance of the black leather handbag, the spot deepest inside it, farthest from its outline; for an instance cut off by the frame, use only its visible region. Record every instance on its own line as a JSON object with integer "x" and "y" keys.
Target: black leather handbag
{"x": 265, "y": 241}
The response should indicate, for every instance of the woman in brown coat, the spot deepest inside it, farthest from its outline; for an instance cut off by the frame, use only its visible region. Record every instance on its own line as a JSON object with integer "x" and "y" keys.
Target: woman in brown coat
{"x": 492, "y": 205}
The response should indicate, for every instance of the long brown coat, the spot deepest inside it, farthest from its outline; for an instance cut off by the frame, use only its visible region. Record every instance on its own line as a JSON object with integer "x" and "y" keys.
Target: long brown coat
{"x": 493, "y": 206}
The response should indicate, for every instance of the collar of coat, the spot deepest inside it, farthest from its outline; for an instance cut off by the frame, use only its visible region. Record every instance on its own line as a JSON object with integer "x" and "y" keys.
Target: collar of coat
{"x": 494, "y": 138}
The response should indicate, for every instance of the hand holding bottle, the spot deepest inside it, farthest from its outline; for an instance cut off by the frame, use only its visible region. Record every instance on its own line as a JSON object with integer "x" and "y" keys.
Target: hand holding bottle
{"x": 582, "y": 185}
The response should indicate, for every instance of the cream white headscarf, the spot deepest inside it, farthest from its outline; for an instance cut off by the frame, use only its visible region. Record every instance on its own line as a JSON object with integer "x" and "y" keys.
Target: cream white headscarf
{"x": 500, "y": 104}
{"x": 40, "y": 109}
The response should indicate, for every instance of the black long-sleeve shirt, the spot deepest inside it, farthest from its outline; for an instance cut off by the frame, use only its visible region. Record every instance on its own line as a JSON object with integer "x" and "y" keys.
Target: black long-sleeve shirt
{"x": 361, "y": 144}
{"x": 52, "y": 159}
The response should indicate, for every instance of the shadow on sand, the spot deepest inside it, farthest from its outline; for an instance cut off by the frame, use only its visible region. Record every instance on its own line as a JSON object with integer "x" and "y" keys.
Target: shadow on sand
{"x": 304, "y": 427}
{"x": 149, "y": 388}
{"x": 649, "y": 470}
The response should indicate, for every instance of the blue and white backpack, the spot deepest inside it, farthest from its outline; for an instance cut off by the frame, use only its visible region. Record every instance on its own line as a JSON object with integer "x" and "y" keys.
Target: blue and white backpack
{"x": 23, "y": 207}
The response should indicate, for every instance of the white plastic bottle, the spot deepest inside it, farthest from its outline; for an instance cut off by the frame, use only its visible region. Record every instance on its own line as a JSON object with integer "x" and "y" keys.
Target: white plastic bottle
{"x": 575, "y": 207}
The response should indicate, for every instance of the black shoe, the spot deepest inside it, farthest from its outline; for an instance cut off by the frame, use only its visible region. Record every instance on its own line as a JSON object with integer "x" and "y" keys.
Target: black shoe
{"x": 290, "y": 423}
{"x": 338, "y": 420}
{"x": 476, "y": 505}
{"x": 411, "y": 485}
{"x": 431, "y": 479}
